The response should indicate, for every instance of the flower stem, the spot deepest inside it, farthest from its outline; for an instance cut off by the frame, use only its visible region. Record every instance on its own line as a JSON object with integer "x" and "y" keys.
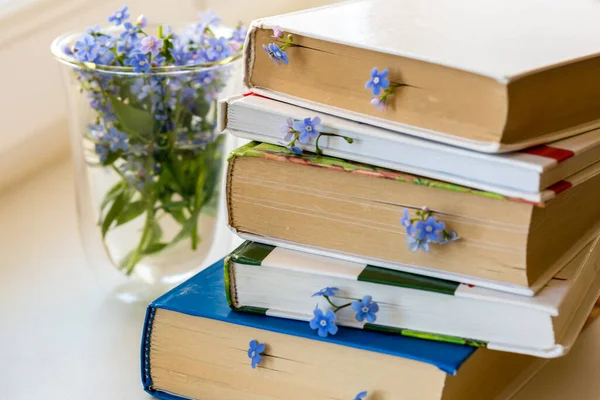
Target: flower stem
{"x": 336, "y": 308}
{"x": 137, "y": 254}
{"x": 194, "y": 234}
{"x": 318, "y": 149}
{"x": 341, "y": 307}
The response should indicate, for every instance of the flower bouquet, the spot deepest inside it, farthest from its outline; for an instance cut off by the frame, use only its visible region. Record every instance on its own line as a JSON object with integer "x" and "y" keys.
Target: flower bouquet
{"x": 143, "y": 102}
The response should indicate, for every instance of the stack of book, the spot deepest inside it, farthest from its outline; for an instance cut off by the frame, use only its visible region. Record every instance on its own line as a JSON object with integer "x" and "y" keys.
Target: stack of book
{"x": 419, "y": 201}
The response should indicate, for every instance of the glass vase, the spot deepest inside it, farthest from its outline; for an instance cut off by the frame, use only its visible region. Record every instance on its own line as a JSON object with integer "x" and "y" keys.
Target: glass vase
{"x": 148, "y": 167}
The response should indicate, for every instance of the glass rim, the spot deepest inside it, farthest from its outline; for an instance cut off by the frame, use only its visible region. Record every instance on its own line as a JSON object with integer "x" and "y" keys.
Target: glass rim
{"x": 57, "y": 49}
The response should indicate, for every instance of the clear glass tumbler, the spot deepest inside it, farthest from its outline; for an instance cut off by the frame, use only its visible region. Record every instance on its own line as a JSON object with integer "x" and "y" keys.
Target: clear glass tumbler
{"x": 148, "y": 163}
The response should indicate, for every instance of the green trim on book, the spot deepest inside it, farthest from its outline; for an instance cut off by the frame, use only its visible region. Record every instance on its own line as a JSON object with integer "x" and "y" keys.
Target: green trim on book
{"x": 391, "y": 277}
{"x": 443, "y": 338}
{"x": 244, "y": 151}
{"x": 252, "y": 310}
{"x": 424, "y": 335}
{"x": 227, "y": 281}
{"x": 251, "y": 253}
{"x": 279, "y": 153}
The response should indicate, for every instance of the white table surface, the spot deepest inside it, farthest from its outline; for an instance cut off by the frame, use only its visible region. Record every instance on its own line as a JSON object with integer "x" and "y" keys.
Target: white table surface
{"x": 63, "y": 337}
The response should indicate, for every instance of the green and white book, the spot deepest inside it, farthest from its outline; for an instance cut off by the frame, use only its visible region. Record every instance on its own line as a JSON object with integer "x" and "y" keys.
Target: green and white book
{"x": 280, "y": 282}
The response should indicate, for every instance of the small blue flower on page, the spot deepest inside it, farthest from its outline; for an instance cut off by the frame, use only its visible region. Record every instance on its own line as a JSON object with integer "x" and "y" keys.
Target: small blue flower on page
{"x": 308, "y": 128}
{"x": 361, "y": 395}
{"x": 324, "y": 323}
{"x": 415, "y": 244}
{"x": 276, "y": 53}
{"x": 432, "y": 229}
{"x": 365, "y": 309}
{"x": 328, "y": 291}
{"x": 424, "y": 230}
{"x": 254, "y": 352}
{"x": 378, "y": 81}
{"x": 288, "y": 129}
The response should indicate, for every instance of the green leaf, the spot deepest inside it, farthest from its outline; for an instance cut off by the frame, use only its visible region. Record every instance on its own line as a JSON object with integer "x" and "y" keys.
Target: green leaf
{"x": 200, "y": 193}
{"x": 113, "y": 193}
{"x": 118, "y": 205}
{"x": 151, "y": 234}
{"x": 155, "y": 234}
{"x": 178, "y": 216}
{"x": 155, "y": 248}
{"x": 173, "y": 205}
{"x": 112, "y": 157}
{"x": 131, "y": 211}
{"x": 129, "y": 260}
{"x": 134, "y": 121}
{"x": 186, "y": 229}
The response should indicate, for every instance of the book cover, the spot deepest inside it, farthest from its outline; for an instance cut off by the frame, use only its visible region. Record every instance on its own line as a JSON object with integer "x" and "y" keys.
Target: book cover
{"x": 204, "y": 296}
{"x": 456, "y": 75}
{"x": 500, "y": 234}
{"x": 559, "y": 298}
{"x": 533, "y": 174}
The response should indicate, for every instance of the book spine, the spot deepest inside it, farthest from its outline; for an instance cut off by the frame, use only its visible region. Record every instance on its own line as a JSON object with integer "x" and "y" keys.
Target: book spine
{"x": 230, "y": 163}
{"x": 145, "y": 359}
{"x": 249, "y": 53}
{"x": 229, "y": 286}
{"x": 145, "y": 349}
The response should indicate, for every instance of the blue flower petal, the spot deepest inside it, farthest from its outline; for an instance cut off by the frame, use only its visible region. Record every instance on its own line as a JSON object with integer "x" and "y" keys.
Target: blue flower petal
{"x": 314, "y": 324}
{"x": 376, "y": 90}
{"x": 405, "y": 220}
{"x": 361, "y": 395}
{"x": 304, "y": 137}
{"x": 384, "y": 83}
{"x": 373, "y": 307}
{"x": 322, "y": 331}
{"x": 330, "y": 316}
{"x": 366, "y": 300}
{"x": 260, "y": 348}
{"x": 332, "y": 329}
{"x": 371, "y": 317}
{"x": 413, "y": 245}
{"x": 356, "y": 305}
{"x": 316, "y": 123}
{"x": 374, "y": 72}
{"x": 298, "y": 126}
{"x": 425, "y": 247}
{"x": 296, "y": 150}
{"x": 384, "y": 73}
{"x": 360, "y": 316}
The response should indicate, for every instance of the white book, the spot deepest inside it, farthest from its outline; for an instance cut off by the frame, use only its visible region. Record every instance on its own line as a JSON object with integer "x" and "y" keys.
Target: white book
{"x": 488, "y": 76}
{"x": 280, "y": 282}
{"x": 534, "y": 174}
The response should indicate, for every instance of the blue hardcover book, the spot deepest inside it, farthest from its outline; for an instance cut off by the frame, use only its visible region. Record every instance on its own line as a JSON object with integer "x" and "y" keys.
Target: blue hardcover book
{"x": 195, "y": 347}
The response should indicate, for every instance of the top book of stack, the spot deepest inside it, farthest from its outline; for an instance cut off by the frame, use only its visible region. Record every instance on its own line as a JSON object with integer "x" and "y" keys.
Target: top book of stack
{"x": 498, "y": 77}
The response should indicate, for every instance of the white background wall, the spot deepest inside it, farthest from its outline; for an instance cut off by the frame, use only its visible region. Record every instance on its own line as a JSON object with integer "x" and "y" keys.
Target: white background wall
{"x": 33, "y": 130}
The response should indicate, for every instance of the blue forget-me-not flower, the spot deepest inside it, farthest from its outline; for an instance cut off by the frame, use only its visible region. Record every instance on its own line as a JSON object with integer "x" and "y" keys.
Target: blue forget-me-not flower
{"x": 365, "y": 309}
